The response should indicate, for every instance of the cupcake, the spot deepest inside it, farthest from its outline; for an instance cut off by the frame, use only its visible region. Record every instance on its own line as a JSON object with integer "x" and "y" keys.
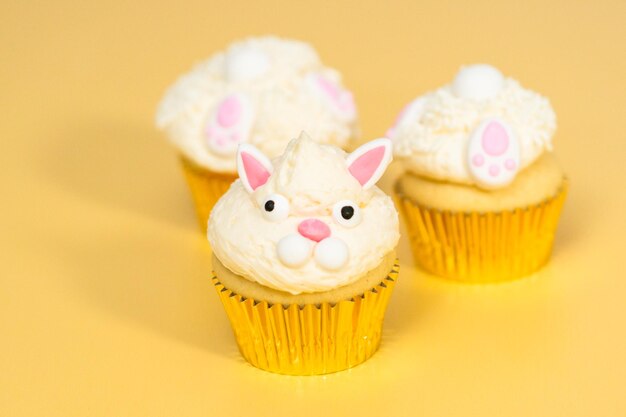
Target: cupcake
{"x": 304, "y": 255}
{"x": 483, "y": 191}
{"x": 262, "y": 91}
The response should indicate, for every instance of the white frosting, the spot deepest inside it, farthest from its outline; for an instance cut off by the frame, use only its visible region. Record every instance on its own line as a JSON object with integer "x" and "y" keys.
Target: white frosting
{"x": 273, "y": 75}
{"x": 313, "y": 178}
{"x": 432, "y": 137}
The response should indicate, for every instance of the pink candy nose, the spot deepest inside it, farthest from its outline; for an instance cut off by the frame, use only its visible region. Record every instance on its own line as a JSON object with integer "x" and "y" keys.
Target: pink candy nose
{"x": 314, "y": 229}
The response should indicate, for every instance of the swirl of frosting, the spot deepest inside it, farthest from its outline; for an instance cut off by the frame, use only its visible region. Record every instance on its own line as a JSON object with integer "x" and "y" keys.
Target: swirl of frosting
{"x": 309, "y": 221}
{"x": 263, "y": 91}
{"x": 482, "y": 113}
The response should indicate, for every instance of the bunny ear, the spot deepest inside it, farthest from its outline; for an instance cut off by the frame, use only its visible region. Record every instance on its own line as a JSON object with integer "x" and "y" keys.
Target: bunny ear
{"x": 254, "y": 168}
{"x": 368, "y": 162}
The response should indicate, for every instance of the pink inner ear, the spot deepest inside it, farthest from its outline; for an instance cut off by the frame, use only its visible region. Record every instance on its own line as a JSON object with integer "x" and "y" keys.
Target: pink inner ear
{"x": 366, "y": 165}
{"x": 256, "y": 173}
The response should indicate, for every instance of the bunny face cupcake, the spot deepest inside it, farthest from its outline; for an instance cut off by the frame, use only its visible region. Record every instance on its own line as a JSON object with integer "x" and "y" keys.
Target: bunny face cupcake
{"x": 261, "y": 91}
{"x": 483, "y": 191}
{"x": 306, "y": 241}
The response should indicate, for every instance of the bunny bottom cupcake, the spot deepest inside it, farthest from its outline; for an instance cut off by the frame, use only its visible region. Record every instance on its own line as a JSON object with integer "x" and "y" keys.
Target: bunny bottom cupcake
{"x": 304, "y": 255}
{"x": 483, "y": 192}
{"x": 311, "y": 333}
{"x": 475, "y": 235}
{"x": 206, "y": 188}
{"x": 259, "y": 90}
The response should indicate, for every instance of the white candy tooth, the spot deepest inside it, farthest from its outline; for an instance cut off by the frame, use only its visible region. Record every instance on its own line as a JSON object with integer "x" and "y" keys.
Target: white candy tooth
{"x": 294, "y": 250}
{"x": 331, "y": 253}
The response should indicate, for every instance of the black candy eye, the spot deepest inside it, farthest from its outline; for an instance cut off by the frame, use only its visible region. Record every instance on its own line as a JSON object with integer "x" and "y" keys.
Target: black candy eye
{"x": 347, "y": 212}
{"x": 275, "y": 208}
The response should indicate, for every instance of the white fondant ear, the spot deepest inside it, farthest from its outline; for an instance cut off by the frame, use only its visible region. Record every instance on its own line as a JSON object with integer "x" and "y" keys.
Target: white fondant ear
{"x": 368, "y": 162}
{"x": 253, "y": 167}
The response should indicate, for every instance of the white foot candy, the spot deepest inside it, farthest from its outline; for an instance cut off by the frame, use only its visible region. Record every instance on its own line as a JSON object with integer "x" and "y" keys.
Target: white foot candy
{"x": 493, "y": 154}
{"x": 340, "y": 100}
{"x": 230, "y": 124}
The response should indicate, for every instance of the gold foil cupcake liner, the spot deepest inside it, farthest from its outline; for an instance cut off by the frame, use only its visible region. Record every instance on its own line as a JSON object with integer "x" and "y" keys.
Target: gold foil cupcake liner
{"x": 308, "y": 339}
{"x": 206, "y": 188}
{"x": 482, "y": 247}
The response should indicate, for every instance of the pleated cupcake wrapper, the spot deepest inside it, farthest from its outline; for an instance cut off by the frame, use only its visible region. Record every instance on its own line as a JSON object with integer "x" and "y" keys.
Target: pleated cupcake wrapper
{"x": 308, "y": 339}
{"x": 482, "y": 247}
{"x": 206, "y": 188}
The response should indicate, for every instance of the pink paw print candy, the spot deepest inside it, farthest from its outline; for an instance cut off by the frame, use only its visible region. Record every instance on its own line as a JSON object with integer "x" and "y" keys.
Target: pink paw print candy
{"x": 493, "y": 154}
{"x": 340, "y": 100}
{"x": 230, "y": 124}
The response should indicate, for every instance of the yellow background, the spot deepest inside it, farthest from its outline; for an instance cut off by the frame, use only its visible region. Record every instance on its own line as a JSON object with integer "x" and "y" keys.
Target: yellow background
{"x": 106, "y": 306}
